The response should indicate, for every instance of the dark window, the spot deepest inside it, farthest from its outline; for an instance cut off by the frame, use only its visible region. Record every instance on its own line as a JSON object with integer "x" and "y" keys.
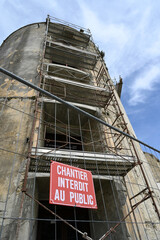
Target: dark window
{"x": 63, "y": 141}
{"x": 63, "y": 64}
{"x": 57, "y": 230}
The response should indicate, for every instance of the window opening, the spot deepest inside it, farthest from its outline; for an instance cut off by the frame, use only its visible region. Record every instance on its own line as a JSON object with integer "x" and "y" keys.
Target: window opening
{"x": 46, "y": 228}
{"x": 62, "y": 141}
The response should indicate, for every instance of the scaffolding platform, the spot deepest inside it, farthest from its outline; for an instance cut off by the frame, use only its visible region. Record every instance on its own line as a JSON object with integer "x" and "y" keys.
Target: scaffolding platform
{"x": 66, "y": 72}
{"x": 76, "y": 91}
{"x": 97, "y": 163}
{"x": 69, "y": 55}
{"x": 68, "y": 35}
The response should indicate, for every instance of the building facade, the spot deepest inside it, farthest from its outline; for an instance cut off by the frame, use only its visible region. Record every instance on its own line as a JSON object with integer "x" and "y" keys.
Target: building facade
{"x": 62, "y": 59}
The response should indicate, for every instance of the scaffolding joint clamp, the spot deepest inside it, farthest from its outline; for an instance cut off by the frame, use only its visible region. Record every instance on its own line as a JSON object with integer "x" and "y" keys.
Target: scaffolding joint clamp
{"x": 24, "y": 190}
{"x": 137, "y": 163}
{"x": 85, "y": 236}
{"x": 112, "y": 230}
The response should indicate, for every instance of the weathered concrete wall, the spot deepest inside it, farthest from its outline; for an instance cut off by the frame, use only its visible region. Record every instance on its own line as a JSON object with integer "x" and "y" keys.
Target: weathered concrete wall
{"x": 21, "y": 54}
{"x": 15, "y": 128}
{"x": 155, "y": 166}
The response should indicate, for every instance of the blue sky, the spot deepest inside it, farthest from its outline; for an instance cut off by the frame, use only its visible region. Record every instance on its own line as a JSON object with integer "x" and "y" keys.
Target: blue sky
{"x": 128, "y": 31}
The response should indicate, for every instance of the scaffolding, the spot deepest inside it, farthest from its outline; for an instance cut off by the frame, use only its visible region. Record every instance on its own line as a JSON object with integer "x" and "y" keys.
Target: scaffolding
{"x": 73, "y": 70}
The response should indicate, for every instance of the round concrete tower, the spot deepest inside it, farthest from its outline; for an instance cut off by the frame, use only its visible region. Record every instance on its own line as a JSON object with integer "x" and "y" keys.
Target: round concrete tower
{"x": 36, "y": 131}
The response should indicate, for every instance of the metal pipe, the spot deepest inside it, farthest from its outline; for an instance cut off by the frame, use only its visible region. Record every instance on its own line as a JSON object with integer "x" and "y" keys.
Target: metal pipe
{"x": 72, "y": 106}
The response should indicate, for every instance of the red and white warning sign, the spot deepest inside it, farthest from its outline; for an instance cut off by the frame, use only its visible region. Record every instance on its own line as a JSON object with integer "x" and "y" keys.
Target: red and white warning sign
{"x": 71, "y": 186}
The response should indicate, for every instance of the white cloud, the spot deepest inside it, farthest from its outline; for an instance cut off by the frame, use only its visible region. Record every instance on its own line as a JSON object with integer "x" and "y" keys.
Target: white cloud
{"x": 102, "y": 31}
{"x": 111, "y": 36}
{"x": 144, "y": 82}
